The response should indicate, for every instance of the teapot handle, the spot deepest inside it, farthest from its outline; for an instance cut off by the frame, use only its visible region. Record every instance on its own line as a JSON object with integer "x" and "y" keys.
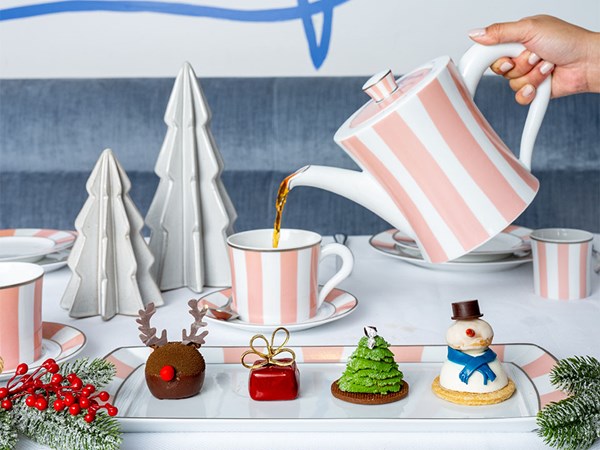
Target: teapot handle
{"x": 472, "y": 66}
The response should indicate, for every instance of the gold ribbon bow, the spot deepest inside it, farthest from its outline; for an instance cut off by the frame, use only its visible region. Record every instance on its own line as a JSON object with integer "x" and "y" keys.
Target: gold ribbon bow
{"x": 272, "y": 352}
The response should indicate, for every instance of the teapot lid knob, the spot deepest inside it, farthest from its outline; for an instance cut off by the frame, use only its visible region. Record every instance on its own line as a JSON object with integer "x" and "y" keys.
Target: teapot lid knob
{"x": 381, "y": 85}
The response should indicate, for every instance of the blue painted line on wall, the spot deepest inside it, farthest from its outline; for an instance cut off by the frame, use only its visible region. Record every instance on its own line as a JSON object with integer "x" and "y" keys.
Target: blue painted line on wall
{"x": 304, "y": 11}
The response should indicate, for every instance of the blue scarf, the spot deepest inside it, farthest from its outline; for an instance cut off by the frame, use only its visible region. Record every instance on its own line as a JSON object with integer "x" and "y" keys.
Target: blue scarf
{"x": 472, "y": 364}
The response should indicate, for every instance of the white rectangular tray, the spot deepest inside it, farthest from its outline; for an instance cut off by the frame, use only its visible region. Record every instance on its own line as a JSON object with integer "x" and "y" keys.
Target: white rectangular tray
{"x": 224, "y": 403}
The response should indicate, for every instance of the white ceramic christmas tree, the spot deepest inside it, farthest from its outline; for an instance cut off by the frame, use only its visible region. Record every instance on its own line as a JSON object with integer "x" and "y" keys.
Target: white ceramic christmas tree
{"x": 191, "y": 214}
{"x": 110, "y": 261}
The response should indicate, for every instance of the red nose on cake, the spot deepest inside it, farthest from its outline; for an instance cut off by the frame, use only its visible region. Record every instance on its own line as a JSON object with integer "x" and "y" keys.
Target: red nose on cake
{"x": 470, "y": 332}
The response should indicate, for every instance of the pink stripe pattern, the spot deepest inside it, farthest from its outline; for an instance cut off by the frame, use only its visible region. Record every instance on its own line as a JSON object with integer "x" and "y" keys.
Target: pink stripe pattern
{"x": 562, "y": 271}
{"x": 446, "y": 170}
{"x": 275, "y": 287}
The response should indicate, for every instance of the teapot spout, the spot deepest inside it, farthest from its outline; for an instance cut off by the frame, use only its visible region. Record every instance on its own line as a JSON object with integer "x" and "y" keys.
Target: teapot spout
{"x": 354, "y": 185}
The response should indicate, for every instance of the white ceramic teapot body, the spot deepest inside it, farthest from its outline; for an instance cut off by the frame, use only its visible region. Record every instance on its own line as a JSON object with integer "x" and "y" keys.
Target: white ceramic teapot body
{"x": 432, "y": 166}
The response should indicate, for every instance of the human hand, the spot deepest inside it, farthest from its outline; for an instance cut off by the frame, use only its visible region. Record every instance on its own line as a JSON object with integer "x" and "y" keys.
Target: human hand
{"x": 569, "y": 52}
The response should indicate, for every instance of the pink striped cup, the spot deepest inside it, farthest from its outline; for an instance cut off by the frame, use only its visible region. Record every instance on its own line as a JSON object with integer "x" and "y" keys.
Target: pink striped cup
{"x": 279, "y": 285}
{"x": 562, "y": 263}
{"x": 21, "y": 313}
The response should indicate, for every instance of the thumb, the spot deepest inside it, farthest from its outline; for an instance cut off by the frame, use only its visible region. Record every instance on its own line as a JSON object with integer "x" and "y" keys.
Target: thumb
{"x": 498, "y": 33}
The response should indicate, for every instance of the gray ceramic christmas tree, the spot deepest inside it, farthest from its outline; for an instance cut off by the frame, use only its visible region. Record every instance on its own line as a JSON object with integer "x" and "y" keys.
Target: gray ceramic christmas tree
{"x": 191, "y": 214}
{"x": 110, "y": 259}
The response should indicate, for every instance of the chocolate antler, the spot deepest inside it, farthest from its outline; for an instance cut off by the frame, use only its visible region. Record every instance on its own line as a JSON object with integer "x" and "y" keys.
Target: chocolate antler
{"x": 193, "y": 339}
{"x": 148, "y": 335}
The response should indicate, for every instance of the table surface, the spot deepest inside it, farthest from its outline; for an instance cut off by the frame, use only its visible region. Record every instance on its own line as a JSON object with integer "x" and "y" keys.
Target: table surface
{"x": 409, "y": 305}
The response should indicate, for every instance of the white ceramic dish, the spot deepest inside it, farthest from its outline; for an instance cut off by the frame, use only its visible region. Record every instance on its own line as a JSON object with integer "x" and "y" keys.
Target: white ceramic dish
{"x": 54, "y": 261}
{"x": 224, "y": 403}
{"x": 32, "y": 244}
{"x": 337, "y": 304}
{"x": 60, "y": 342}
{"x": 385, "y": 243}
{"x": 499, "y": 247}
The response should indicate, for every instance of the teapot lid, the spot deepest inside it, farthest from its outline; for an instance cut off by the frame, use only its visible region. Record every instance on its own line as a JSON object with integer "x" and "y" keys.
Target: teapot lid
{"x": 386, "y": 92}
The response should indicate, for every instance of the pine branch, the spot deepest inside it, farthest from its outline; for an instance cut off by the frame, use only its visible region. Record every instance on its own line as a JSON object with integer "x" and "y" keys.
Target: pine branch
{"x": 62, "y": 431}
{"x": 8, "y": 434}
{"x": 576, "y": 435}
{"x": 577, "y": 374}
{"x": 570, "y": 410}
{"x": 98, "y": 372}
{"x": 573, "y": 423}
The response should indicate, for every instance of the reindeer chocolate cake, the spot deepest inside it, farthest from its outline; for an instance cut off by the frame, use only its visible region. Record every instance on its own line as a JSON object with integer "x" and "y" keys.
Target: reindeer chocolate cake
{"x": 174, "y": 369}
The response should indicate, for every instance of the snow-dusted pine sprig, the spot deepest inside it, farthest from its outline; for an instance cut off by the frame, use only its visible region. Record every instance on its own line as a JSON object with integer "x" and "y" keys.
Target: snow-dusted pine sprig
{"x": 573, "y": 423}
{"x": 576, "y": 375}
{"x": 62, "y": 431}
{"x": 59, "y": 429}
{"x": 98, "y": 372}
{"x": 8, "y": 435}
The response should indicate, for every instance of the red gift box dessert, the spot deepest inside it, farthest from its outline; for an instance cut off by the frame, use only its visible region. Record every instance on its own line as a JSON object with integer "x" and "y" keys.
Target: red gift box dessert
{"x": 272, "y": 378}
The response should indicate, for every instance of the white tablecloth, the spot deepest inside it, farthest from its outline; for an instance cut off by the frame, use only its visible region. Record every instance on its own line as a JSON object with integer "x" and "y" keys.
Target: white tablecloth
{"x": 408, "y": 305}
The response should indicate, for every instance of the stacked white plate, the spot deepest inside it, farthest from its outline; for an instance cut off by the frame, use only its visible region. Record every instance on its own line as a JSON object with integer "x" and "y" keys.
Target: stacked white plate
{"x": 48, "y": 248}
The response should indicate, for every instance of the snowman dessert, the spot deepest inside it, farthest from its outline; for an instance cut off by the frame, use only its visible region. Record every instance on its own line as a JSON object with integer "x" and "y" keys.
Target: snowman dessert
{"x": 471, "y": 375}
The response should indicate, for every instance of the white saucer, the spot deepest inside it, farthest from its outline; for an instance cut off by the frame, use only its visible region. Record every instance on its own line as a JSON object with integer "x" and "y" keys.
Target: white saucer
{"x": 385, "y": 243}
{"x": 60, "y": 342}
{"x": 338, "y": 304}
{"x": 32, "y": 244}
{"x": 54, "y": 261}
{"x": 500, "y": 246}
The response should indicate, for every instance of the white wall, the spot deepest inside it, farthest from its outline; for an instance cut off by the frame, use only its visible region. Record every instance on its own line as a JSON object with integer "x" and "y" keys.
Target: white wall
{"x": 367, "y": 36}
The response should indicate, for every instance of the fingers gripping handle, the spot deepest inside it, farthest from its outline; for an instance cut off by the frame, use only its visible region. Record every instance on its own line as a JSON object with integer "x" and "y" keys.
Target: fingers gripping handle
{"x": 347, "y": 265}
{"x": 472, "y": 66}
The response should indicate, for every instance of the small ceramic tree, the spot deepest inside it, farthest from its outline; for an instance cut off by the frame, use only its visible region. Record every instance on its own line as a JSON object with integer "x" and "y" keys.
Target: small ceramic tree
{"x": 110, "y": 260}
{"x": 191, "y": 214}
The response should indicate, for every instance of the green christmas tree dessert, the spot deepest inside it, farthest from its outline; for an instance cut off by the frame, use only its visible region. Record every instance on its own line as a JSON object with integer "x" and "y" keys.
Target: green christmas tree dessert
{"x": 372, "y": 376}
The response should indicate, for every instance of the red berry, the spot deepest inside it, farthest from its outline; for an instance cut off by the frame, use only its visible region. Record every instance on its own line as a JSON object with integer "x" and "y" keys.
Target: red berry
{"x": 74, "y": 409}
{"x": 71, "y": 377}
{"x": 6, "y": 404}
{"x": 69, "y": 399}
{"x": 41, "y": 403}
{"x": 58, "y": 405}
{"x": 112, "y": 411}
{"x": 470, "y": 332}
{"x": 84, "y": 402}
{"x": 57, "y": 378}
{"x": 22, "y": 369}
{"x": 53, "y": 368}
{"x": 30, "y": 400}
{"x": 89, "y": 418}
{"x": 3, "y": 393}
{"x": 167, "y": 373}
{"x": 104, "y": 396}
{"x": 46, "y": 364}
{"x": 38, "y": 383}
{"x": 90, "y": 387}
{"x": 76, "y": 384}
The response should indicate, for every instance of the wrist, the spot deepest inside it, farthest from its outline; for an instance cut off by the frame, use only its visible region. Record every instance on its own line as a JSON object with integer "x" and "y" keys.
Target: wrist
{"x": 593, "y": 63}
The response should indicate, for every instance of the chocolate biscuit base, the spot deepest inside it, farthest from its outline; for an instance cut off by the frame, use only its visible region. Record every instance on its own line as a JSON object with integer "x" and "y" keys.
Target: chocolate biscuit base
{"x": 362, "y": 398}
{"x": 471, "y": 398}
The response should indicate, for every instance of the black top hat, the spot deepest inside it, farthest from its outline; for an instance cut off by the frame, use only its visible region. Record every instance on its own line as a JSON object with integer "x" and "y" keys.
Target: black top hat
{"x": 466, "y": 310}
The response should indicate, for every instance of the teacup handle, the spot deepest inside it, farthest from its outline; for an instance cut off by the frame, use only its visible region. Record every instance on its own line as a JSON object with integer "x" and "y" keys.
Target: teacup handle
{"x": 347, "y": 265}
{"x": 472, "y": 66}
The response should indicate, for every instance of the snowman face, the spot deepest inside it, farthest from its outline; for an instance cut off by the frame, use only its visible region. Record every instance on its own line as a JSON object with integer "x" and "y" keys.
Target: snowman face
{"x": 469, "y": 335}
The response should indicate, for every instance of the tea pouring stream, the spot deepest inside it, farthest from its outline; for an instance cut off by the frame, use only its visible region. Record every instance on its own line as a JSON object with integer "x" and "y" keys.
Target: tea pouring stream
{"x": 432, "y": 166}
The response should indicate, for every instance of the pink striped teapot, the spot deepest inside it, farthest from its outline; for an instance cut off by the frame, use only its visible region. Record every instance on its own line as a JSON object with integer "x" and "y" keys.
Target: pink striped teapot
{"x": 432, "y": 166}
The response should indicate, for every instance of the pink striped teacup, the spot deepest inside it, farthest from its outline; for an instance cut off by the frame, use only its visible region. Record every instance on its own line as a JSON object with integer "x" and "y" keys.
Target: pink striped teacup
{"x": 279, "y": 285}
{"x": 562, "y": 263}
{"x": 21, "y": 313}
